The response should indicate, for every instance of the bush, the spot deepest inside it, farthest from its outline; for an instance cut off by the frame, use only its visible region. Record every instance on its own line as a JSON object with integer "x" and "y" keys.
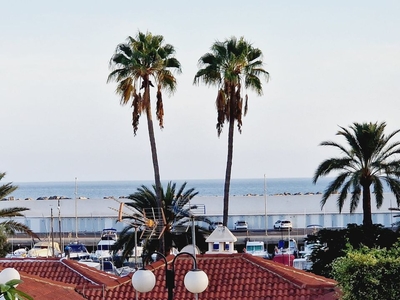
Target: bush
{"x": 369, "y": 274}
{"x": 334, "y": 244}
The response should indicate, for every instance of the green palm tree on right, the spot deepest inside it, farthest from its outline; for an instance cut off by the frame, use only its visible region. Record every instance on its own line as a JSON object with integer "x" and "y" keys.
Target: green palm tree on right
{"x": 230, "y": 65}
{"x": 369, "y": 161}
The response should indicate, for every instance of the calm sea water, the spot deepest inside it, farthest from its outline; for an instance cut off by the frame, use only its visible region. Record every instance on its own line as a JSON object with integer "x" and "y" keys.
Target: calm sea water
{"x": 214, "y": 187}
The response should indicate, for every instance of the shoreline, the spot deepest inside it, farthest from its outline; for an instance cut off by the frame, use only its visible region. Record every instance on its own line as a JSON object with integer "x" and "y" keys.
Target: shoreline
{"x": 56, "y": 197}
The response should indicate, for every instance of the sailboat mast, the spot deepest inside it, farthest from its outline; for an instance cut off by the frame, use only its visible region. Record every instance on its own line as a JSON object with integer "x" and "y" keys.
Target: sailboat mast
{"x": 59, "y": 222}
{"x": 52, "y": 233}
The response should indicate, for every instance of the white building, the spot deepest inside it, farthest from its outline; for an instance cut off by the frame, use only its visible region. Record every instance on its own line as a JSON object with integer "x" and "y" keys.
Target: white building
{"x": 92, "y": 215}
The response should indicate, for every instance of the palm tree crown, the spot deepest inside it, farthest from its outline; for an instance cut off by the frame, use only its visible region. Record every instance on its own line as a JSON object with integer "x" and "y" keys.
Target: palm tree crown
{"x": 176, "y": 208}
{"x": 138, "y": 61}
{"x": 370, "y": 160}
{"x": 229, "y": 66}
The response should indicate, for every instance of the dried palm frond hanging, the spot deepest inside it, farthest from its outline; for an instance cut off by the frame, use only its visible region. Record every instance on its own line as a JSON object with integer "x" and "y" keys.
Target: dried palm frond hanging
{"x": 137, "y": 105}
{"x": 246, "y": 105}
{"x": 221, "y": 110}
{"x": 160, "y": 108}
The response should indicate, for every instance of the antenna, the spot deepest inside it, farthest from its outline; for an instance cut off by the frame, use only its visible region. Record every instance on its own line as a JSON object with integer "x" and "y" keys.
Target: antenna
{"x": 154, "y": 223}
{"x": 151, "y": 220}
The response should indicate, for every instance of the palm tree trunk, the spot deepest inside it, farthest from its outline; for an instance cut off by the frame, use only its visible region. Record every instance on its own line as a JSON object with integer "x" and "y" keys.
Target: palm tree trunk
{"x": 153, "y": 146}
{"x": 154, "y": 156}
{"x": 228, "y": 172}
{"x": 367, "y": 221}
{"x": 229, "y": 158}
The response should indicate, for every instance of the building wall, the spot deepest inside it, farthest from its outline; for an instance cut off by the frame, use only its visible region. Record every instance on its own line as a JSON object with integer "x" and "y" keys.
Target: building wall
{"x": 95, "y": 214}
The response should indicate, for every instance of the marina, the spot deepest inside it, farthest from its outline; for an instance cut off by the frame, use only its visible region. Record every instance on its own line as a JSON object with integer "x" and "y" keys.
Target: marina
{"x": 60, "y": 219}
{"x": 82, "y": 219}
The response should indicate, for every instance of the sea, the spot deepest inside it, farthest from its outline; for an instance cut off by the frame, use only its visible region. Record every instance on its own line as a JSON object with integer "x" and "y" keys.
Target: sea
{"x": 204, "y": 187}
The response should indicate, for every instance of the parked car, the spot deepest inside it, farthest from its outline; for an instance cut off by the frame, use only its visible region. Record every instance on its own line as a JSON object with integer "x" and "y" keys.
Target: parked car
{"x": 214, "y": 225}
{"x": 241, "y": 225}
{"x": 283, "y": 224}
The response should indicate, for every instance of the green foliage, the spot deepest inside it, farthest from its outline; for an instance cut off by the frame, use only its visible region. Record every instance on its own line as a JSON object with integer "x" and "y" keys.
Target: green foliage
{"x": 6, "y": 189}
{"x": 369, "y": 273}
{"x": 5, "y": 247}
{"x": 335, "y": 242}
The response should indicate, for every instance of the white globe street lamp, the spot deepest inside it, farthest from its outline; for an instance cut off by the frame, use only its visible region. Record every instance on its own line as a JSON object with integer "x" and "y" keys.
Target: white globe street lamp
{"x": 9, "y": 274}
{"x": 143, "y": 280}
{"x": 195, "y": 281}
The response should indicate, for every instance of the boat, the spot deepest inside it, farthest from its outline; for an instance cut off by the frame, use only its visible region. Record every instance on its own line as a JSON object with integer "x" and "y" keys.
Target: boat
{"x": 257, "y": 248}
{"x": 104, "y": 246}
{"x": 284, "y": 258}
{"x": 19, "y": 253}
{"x": 45, "y": 249}
{"x": 102, "y": 265}
{"x": 287, "y": 247}
{"x": 286, "y": 252}
{"x": 304, "y": 262}
{"x": 76, "y": 251}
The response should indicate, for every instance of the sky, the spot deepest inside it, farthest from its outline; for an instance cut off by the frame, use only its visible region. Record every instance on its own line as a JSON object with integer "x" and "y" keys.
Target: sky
{"x": 331, "y": 63}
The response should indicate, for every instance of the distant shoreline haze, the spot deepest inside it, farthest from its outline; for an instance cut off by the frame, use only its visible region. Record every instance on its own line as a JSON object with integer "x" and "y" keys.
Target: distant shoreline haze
{"x": 209, "y": 187}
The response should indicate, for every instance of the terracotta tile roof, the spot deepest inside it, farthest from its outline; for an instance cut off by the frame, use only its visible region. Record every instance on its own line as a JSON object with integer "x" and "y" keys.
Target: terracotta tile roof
{"x": 234, "y": 277}
{"x": 62, "y": 275}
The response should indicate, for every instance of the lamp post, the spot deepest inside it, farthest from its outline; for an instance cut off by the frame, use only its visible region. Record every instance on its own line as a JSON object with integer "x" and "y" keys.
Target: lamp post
{"x": 195, "y": 281}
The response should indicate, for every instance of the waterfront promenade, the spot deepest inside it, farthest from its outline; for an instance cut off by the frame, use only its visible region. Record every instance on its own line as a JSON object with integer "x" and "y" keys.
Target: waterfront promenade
{"x": 84, "y": 216}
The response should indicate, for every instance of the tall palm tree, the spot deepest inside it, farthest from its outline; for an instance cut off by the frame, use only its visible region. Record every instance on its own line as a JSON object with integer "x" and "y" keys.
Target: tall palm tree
{"x": 176, "y": 207}
{"x": 134, "y": 65}
{"x": 369, "y": 160}
{"x": 11, "y": 226}
{"x": 229, "y": 66}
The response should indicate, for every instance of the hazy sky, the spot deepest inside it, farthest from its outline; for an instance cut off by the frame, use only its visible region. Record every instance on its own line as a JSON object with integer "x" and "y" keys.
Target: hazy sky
{"x": 331, "y": 63}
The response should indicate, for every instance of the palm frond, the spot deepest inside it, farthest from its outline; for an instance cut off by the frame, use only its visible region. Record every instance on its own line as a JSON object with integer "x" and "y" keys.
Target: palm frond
{"x": 378, "y": 190}
{"x": 332, "y": 164}
{"x": 343, "y": 194}
{"x": 12, "y": 212}
{"x": 355, "y": 199}
{"x": 11, "y": 227}
{"x": 6, "y": 189}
